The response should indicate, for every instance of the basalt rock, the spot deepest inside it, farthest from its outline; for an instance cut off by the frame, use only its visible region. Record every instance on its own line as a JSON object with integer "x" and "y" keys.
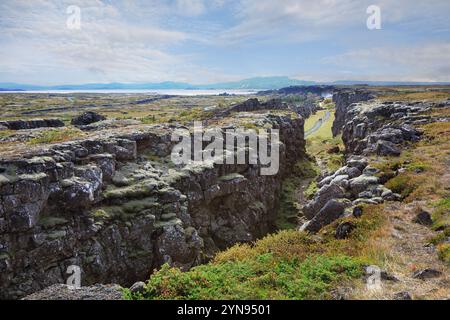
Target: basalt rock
{"x": 106, "y": 206}
{"x": 31, "y": 124}
{"x": 383, "y": 128}
{"x": 343, "y": 100}
{"x": 87, "y": 118}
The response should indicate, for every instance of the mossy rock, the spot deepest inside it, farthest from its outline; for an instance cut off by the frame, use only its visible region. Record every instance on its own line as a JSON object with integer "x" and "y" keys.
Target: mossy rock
{"x": 231, "y": 176}
{"x": 168, "y": 216}
{"x": 162, "y": 224}
{"x": 56, "y": 235}
{"x": 51, "y": 222}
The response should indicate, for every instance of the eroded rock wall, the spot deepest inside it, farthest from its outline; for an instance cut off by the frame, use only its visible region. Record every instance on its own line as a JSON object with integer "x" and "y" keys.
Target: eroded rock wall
{"x": 343, "y": 99}
{"x": 116, "y": 207}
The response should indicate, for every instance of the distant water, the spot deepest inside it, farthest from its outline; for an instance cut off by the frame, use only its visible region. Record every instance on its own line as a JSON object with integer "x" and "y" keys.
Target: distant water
{"x": 175, "y": 92}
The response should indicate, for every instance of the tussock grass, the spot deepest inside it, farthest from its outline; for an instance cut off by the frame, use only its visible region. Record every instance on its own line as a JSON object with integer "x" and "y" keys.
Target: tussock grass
{"x": 286, "y": 265}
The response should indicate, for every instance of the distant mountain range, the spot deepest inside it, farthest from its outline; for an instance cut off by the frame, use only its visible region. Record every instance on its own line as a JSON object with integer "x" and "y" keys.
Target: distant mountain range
{"x": 258, "y": 83}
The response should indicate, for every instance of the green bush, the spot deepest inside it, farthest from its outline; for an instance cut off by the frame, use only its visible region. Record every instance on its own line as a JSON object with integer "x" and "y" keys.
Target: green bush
{"x": 260, "y": 277}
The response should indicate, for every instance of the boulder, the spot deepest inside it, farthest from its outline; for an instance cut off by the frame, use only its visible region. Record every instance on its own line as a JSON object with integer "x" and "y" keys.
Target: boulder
{"x": 402, "y": 295}
{"x": 359, "y": 163}
{"x": 87, "y": 118}
{"x": 357, "y": 212}
{"x": 425, "y": 274}
{"x": 344, "y": 229}
{"x": 423, "y": 218}
{"x": 138, "y": 287}
{"x": 332, "y": 210}
{"x": 326, "y": 193}
{"x": 361, "y": 183}
{"x": 387, "y": 148}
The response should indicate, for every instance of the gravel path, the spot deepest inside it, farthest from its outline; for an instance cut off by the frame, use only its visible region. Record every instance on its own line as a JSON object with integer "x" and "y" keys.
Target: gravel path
{"x": 62, "y": 292}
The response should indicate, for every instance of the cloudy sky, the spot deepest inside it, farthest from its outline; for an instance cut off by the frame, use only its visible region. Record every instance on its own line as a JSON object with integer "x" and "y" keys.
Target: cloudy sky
{"x": 204, "y": 41}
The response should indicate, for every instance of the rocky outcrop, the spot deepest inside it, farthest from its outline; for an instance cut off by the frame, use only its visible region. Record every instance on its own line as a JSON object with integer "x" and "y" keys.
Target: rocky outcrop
{"x": 254, "y": 104}
{"x": 319, "y": 90}
{"x": 384, "y": 128}
{"x": 305, "y": 109}
{"x": 31, "y": 124}
{"x": 342, "y": 193}
{"x": 116, "y": 207}
{"x": 86, "y": 118}
{"x": 343, "y": 99}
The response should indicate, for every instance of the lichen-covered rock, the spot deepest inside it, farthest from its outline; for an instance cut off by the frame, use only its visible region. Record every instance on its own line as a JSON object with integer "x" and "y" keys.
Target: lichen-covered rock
{"x": 117, "y": 208}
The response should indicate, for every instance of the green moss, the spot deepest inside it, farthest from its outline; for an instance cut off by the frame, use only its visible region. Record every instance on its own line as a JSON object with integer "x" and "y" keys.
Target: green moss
{"x": 231, "y": 176}
{"x": 401, "y": 184}
{"x": 136, "y": 206}
{"x": 161, "y": 224}
{"x": 441, "y": 215}
{"x": 56, "y": 235}
{"x": 51, "y": 222}
{"x": 311, "y": 190}
{"x": 306, "y": 168}
{"x": 417, "y": 167}
{"x": 289, "y": 202}
{"x": 444, "y": 252}
{"x": 137, "y": 190}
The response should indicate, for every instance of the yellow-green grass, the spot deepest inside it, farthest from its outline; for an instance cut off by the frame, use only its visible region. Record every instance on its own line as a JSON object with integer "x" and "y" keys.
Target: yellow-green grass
{"x": 57, "y": 135}
{"x": 286, "y": 265}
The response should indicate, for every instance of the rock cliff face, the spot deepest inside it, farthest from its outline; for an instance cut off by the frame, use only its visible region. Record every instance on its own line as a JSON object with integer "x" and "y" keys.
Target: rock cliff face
{"x": 305, "y": 109}
{"x": 343, "y": 99}
{"x": 383, "y": 128}
{"x": 117, "y": 207}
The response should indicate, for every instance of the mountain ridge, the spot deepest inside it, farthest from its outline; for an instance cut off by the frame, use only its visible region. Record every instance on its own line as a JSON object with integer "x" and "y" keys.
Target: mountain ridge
{"x": 257, "y": 83}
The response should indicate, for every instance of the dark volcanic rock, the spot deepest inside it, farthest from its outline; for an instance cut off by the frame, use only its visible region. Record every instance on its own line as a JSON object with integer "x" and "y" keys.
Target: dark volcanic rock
{"x": 343, "y": 100}
{"x": 402, "y": 295}
{"x": 386, "y": 148}
{"x": 427, "y": 274}
{"x": 31, "y": 124}
{"x": 87, "y": 118}
{"x": 357, "y": 212}
{"x": 332, "y": 210}
{"x": 102, "y": 205}
{"x": 325, "y": 194}
{"x": 343, "y": 230}
{"x": 423, "y": 218}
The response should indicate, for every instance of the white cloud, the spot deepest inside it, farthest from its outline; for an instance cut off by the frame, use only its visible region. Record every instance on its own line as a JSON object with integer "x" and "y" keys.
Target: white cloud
{"x": 191, "y": 7}
{"x": 303, "y": 20}
{"x": 422, "y": 62}
{"x": 106, "y": 48}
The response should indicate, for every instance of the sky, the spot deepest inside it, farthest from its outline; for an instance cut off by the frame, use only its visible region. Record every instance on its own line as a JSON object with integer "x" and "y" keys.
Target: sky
{"x": 206, "y": 41}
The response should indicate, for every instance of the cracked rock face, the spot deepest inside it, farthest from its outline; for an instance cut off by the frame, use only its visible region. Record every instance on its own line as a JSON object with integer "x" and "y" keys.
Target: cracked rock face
{"x": 117, "y": 208}
{"x": 384, "y": 128}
